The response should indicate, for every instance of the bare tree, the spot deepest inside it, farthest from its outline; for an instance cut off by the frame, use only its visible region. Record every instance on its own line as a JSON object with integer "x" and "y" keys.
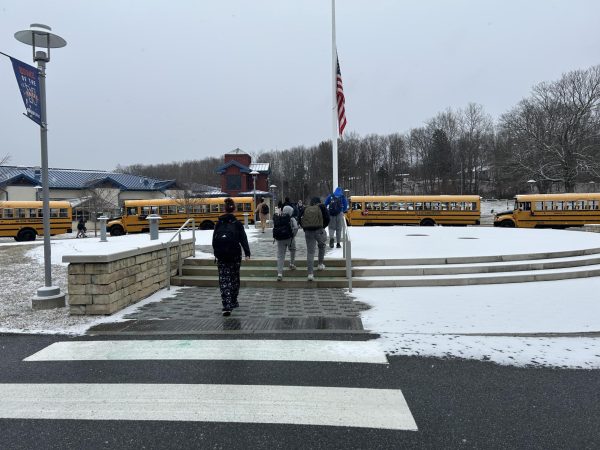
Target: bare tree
{"x": 555, "y": 132}
{"x": 4, "y": 159}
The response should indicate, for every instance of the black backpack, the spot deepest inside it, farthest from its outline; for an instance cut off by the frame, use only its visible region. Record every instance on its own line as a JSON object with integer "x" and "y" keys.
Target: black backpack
{"x": 282, "y": 227}
{"x": 335, "y": 206}
{"x": 264, "y": 209}
{"x": 226, "y": 242}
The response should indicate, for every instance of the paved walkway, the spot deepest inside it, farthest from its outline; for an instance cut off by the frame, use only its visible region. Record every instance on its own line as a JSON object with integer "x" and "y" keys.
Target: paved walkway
{"x": 198, "y": 309}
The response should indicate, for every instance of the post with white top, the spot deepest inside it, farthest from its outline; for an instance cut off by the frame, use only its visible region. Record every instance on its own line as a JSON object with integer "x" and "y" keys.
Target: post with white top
{"x": 103, "y": 219}
{"x": 154, "y": 219}
{"x": 245, "y": 220}
{"x": 41, "y": 36}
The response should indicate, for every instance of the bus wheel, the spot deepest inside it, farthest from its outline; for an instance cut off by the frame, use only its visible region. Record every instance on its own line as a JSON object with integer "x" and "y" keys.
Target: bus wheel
{"x": 207, "y": 225}
{"x": 26, "y": 234}
{"x": 427, "y": 223}
{"x": 117, "y": 230}
{"x": 507, "y": 224}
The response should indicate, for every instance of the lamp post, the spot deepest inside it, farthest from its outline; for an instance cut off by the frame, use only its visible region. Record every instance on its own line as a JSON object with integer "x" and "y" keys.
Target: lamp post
{"x": 531, "y": 184}
{"x": 402, "y": 176}
{"x": 272, "y": 189}
{"x": 39, "y": 35}
{"x": 254, "y": 173}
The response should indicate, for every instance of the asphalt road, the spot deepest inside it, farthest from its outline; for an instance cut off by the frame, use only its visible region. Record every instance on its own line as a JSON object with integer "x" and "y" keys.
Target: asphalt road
{"x": 455, "y": 403}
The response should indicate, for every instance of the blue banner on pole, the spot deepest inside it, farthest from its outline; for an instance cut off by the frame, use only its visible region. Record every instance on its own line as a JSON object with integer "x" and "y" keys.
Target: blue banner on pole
{"x": 29, "y": 85}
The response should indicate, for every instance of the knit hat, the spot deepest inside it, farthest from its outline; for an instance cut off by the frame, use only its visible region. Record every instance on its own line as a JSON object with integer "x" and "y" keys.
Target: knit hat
{"x": 288, "y": 210}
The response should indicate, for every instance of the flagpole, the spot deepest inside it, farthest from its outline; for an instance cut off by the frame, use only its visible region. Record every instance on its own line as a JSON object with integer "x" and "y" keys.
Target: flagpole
{"x": 334, "y": 109}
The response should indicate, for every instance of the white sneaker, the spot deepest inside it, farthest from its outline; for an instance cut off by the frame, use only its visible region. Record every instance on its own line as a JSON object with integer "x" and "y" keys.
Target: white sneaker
{"x": 292, "y": 267}
{"x": 279, "y": 276}
{"x": 321, "y": 267}
{"x": 311, "y": 277}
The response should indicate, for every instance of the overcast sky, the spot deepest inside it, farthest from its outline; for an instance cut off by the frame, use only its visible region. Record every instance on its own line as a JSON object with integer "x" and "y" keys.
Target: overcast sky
{"x": 151, "y": 81}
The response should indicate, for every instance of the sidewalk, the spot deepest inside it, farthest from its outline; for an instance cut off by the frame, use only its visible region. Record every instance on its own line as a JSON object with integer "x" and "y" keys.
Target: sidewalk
{"x": 198, "y": 309}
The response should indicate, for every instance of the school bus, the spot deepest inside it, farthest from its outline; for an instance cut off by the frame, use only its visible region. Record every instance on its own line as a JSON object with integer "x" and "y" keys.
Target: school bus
{"x": 424, "y": 210}
{"x": 174, "y": 213}
{"x": 23, "y": 220}
{"x": 551, "y": 211}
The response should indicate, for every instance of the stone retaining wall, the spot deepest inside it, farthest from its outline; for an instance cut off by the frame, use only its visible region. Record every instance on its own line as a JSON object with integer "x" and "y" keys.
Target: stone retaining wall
{"x": 104, "y": 284}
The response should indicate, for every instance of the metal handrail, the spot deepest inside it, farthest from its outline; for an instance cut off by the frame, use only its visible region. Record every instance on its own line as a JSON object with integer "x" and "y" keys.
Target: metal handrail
{"x": 347, "y": 253}
{"x": 179, "y": 260}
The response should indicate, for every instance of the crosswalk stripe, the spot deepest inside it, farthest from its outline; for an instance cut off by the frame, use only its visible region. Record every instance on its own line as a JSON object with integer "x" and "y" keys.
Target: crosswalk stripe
{"x": 242, "y": 350}
{"x": 336, "y": 406}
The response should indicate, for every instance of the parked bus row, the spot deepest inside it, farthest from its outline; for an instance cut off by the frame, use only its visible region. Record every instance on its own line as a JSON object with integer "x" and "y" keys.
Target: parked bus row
{"x": 24, "y": 220}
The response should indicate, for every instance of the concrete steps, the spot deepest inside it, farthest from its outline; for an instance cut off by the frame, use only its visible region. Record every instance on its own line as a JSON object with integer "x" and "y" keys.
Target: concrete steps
{"x": 455, "y": 271}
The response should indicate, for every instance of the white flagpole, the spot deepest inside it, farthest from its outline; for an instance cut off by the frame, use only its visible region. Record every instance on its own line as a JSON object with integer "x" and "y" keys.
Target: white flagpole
{"x": 334, "y": 111}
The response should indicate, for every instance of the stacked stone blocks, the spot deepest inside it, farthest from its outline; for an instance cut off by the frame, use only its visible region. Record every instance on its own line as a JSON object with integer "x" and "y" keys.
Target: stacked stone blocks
{"x": 108, "y": 283}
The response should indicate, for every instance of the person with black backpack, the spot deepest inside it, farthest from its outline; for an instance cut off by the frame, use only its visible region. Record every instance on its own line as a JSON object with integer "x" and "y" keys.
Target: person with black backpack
{"x": 314, "y": 220}
{"x": 228, "y": 236}
{"x": 263, "y": 213}
{"x": 285, "y": 228}
{"x": 337, "y": 205}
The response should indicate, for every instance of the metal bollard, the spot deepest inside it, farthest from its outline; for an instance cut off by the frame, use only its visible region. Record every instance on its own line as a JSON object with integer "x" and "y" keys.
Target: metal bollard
{"x": 154, "y": 219}
{"x": 103, "y": 220}
{"x": 246, "y": 220}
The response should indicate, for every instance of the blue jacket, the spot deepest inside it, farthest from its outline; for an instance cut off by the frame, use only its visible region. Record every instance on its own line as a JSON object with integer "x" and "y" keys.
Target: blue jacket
{"x": 338, "y": 193}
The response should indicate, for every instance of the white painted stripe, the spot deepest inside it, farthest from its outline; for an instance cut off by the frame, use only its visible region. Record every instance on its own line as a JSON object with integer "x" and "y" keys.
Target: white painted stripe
{"x": 243, "y": 350}
{"x": 346, "y": 407}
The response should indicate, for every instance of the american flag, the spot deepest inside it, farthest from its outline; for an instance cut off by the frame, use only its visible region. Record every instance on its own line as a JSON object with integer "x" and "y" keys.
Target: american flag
{"x": 341, "y": 109}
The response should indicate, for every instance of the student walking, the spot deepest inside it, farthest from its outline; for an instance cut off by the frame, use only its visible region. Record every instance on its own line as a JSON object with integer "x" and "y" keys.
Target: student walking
{"x": 285, "y": 228}
{"x": 263, "y": 213}
{"x": 81, "y": 228}
{"x": 228, "y": 236}
{"x": 337, "y": 205}
{"x": 314, "y": 221}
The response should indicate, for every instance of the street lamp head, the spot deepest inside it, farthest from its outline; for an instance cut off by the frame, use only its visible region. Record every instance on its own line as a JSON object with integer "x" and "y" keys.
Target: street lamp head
{"x": 40, "y": 36}
{"x": 254, "y": 173}
{"x": 531, "y": 181}
{"x": 273, "y": 186}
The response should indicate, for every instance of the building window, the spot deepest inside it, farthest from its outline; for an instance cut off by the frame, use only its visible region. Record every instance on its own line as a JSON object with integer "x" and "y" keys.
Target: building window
{"x": 234, "y": 182}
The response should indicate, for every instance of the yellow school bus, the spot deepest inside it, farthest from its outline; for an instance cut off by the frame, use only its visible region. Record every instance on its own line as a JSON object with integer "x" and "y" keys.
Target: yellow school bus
{"x": 23, "y": 220}
{"x": 551, "y": 211}
{"x": 174, "y": 213}
{"x": 424, "y": 210}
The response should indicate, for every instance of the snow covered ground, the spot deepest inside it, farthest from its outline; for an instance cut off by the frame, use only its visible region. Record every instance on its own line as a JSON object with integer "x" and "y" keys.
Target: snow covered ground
{"x": 553, "y": 323}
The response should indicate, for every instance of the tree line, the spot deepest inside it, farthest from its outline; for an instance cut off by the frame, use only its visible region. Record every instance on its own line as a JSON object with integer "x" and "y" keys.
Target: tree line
{"x": 548, "y": 142}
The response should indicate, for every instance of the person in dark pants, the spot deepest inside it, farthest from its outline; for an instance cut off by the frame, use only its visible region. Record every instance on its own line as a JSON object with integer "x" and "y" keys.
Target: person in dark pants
{"x": 229, "y": 238}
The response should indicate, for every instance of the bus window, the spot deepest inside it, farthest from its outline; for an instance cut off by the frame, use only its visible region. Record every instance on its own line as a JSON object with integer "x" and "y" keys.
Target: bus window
{"x": 474, "y": 206}
{"x": 20, "y": 213}
{"x": 385, "y": 206}
{"x": 402, "y": 206}
{"x": 32, "y": 213}
{"x": 132, "y": 211}
{"x": 8, "y": 213}
{"x": 377, "y": 206}
{"x": 197, "y": 209}
{"x": 356, "y": 206}
{"x": 239, "y": 207}
{"x": 53, "y": 212}
{"x": 64, "y": 213}
{"x": 181, "y": 209}
{"x": 214, "y": 207}
{"x": 444, "y": 206}
{"x": 172, "y": 209}
{"x": 369, "y": 205}
{"x": 163, "y": 210}
{"x": 418, "y": 206}
{"x": 247, "y": 206}
{"x": 539, "y": 206}
{"x": 394, "y": 206}
{"x": 410, "y": 206}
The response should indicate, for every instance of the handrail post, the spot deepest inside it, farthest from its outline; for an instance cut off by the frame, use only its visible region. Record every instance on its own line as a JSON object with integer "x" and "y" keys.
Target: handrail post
{"x": 349, "y": 265}
{"x": 194, "y": 237}
{"x": 168, "y": 266}
{"x": 179, "y": 262}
